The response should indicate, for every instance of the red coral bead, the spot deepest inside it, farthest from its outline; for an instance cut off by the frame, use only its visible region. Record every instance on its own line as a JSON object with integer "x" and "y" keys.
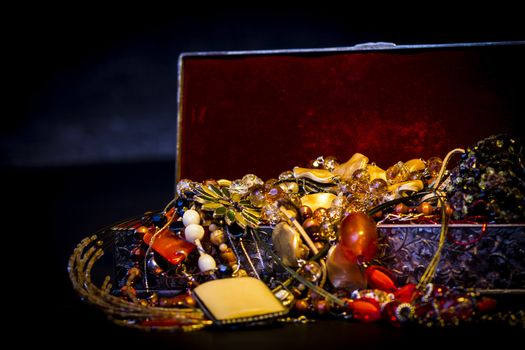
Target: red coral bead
{"x": 389, "y": 313}
{"x": 365, "y": 309}
{"x": 486, "y": 304}
{"x": 407, "y": 293}
{"x": 380, "y": 278}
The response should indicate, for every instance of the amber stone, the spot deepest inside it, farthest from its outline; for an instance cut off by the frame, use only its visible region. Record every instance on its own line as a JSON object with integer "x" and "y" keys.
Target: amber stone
{"x": 358, "y": 237}
{"x": 343, "y": 273}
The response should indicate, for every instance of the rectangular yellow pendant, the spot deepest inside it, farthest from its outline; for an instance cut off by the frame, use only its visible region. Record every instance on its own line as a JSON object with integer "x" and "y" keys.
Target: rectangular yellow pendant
{"x": 238, "y": 300}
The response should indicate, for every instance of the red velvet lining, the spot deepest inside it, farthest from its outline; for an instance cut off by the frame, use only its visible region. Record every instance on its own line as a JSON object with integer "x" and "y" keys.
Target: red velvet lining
{"x": 266, "y": 114}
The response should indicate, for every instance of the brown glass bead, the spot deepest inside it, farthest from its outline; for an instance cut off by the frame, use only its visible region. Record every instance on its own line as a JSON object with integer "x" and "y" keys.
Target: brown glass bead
{"x": 401, "y": 208}
{"x": 378, "y": 215}
{"x": 229, "y": 256}
{"x": 320, "y": 214}
{"x": 305, "y": 212}
{"x": 311, "y": 226}
{"x": 322, "y": 306}
{"x": 302, "y": 305}
{"x": 425, "y": 208}
{"x": 217, "y": 237}
{"x": 449, "y": 210}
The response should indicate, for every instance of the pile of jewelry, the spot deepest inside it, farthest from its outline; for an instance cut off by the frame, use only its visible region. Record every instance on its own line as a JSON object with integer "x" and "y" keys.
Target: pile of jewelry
{"x": 303, "y": 245}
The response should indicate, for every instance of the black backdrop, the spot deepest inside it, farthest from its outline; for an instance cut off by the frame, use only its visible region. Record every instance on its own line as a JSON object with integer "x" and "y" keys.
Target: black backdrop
{"x": 88, "y": 138}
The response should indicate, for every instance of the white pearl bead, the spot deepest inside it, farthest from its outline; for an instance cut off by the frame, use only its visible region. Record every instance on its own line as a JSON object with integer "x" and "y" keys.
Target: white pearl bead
{"x": 191, "y": 217}
{"x": 213, "y": 227}
{"x": 223, "y": 247}
{"x": 193, "y": 232}
{"x": 206, "y": 263}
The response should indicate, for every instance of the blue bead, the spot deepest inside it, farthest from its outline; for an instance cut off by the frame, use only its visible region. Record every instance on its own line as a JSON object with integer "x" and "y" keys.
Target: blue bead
{"x": 235, "y": 230}
{"x": 158, "y": 219}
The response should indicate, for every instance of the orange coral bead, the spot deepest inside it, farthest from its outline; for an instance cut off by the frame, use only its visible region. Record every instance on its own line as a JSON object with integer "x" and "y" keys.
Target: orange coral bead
{"x": 171, "y": 247}
{"x": 142, "y": 230}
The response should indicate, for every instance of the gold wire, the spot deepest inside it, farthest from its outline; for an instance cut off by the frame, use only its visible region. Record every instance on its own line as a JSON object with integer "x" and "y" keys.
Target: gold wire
{"x": 429, "y": 273}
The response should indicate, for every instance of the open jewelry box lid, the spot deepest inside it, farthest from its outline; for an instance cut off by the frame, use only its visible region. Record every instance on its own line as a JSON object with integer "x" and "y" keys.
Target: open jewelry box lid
{"x": 264, "y": 112}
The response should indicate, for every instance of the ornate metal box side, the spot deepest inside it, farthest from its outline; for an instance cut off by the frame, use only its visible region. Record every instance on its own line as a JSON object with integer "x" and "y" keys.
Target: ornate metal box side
{"x": 487, "y": 259}
{"x": 255, "y": 260}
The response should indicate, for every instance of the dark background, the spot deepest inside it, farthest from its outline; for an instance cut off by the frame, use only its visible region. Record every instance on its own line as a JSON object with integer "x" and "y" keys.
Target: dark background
{"x": 88, "y": 137}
